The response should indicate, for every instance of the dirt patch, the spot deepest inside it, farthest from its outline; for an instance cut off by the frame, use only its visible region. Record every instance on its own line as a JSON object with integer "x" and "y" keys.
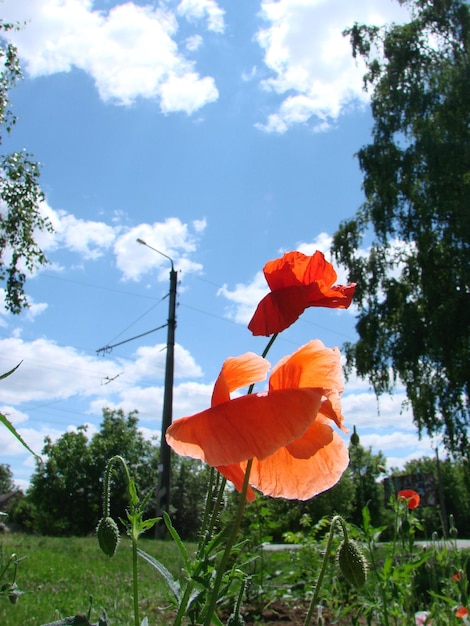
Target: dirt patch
{"x": 280, "y": 613}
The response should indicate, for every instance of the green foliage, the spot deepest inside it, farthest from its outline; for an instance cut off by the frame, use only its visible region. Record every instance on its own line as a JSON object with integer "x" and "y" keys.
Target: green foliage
{"x": 364, "y": 470}
{"x": 6, "y": 479}
{"x": 67, "y": 488}
{"x": 20, "y": 194}
{"x": 190, "y": 479}
{"x": 455, "y": 484}
{"x": 8, "y": 570}
{"x": 413, "y": 284}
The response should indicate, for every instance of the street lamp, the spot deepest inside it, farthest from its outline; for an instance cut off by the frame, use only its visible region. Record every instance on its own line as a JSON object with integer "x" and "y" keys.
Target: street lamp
{"x": 164, "y": 468}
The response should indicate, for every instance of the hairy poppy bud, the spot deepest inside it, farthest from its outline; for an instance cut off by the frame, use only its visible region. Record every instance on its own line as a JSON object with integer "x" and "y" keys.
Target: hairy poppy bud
{"x": 352, "y": 563}
{"x": 108, "y": 535}
{"x": 354, "y": 437}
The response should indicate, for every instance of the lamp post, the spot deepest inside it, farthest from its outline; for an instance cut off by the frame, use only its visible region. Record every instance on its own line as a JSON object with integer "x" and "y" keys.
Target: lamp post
{"x": 164, "y": 468}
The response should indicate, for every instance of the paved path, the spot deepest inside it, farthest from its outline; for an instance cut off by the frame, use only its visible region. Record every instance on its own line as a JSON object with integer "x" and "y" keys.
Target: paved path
{"x": 274, "y": 547}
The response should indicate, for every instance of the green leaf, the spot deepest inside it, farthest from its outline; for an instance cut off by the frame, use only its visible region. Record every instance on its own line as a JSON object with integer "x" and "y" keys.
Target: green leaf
{"x": 171, "y": 582}
{"x": 16, "y": 434}
{"x": 177, "y": 539}
{"x": 6, "y": 422}
{"x": 11, "y": 371}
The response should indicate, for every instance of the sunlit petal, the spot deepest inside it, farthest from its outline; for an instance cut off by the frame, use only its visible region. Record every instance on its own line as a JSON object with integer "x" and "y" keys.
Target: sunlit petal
{"x": 291, "y": 473}
{"x": 238, "y": 372}
{"x": 250, "y": 426}
{"x": 312, "y": 365}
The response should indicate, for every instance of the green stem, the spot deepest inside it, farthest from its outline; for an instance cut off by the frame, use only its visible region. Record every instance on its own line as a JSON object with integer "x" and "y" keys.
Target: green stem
{"x": 218, "y": 505}
{"x": 316, "y": 593}
{"x": 107, "y": 480}
{"x": 205, "y": 519}
{"x": 184, "y": 603}
{"x": 135, "y": 579}
{"x": 228, "y": 547}
{"x": 236, "y": 525}
{"x": 134, "y": 529}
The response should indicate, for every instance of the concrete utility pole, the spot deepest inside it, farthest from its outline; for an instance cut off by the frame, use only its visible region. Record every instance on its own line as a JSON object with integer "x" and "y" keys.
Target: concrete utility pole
{"x": 164, "y": 468}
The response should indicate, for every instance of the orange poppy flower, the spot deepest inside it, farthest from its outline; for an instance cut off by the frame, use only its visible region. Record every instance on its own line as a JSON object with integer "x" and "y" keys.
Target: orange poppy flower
{"x": 297, "y": 281}
{"x": 412, "y": 498}
{"x": 286, "y": 430}
{"x": 461, "y": 612}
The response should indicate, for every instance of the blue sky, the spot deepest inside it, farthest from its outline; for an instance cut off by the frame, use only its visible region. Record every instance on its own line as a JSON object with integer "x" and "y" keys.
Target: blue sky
{"x": 221, "y": 133}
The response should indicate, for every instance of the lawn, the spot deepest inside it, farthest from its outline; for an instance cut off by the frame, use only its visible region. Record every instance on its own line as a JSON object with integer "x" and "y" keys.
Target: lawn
{"x": 59, "y": 575}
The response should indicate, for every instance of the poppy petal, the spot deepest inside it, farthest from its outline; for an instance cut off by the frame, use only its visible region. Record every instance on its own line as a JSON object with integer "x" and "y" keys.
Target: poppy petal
{"x": 312, "y": 365}
{"x": 412, "y": 498}
{"x": 290, "y": 473}
{"x": 236, "y": 474}
{"x": 278, "y": 310}
{"x": 461, "y": 612}
{"x": 238, "y": 372}
{"x": 310, "y": 465}
{"x": 250, "y": 426}
{"x": 296, "y": 268}
{"x": 318, "y": 268}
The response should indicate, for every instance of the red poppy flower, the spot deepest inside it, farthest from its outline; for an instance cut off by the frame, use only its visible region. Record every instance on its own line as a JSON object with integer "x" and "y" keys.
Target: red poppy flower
{"x": 412, "y": 498}
{"x": 297, "y": 281}
{"x": 461, "y": 612}
{"x": 287, "y": 430}
{"x": 455, "y": 577}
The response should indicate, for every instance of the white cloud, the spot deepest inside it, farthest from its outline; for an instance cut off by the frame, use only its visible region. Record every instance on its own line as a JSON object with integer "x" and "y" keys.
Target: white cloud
{"x": 364, "y": 410}
{"x": 50, "y": 371}
{"x": 200, "y": 9}
{"x": 244, "y": 298}
{"x": 131, "y": 51}
{"x": 172, "y": 237}
{"x": 153, "y": 359}
{"x": 187, "y": 92}
{"x": 86, "y": 237}
{"x": 311, "y": 61}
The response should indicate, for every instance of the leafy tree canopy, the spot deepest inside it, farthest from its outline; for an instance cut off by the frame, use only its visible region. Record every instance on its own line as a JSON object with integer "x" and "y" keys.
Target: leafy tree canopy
{"x": 414, "y": 276}
{"x": 6, "y": 479}
{"x": 67, "y": 488}
{"x": 20, "y": 193}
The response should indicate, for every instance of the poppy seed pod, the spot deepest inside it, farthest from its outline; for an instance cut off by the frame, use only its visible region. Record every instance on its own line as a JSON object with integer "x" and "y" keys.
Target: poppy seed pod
{"x": 352, "y": 563}
{"x": 108, "y": 535}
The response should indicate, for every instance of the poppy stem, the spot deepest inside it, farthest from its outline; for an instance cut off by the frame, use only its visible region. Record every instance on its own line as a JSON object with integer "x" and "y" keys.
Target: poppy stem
{"x": 313, "y": 603}
{"x": 228, "y": 547}
{"x": 265, "y": 352}
{"x": 236, "y": 525}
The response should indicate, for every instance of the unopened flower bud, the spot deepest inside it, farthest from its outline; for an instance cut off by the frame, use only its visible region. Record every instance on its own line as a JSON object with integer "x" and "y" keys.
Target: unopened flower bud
{"x": 354, "y": 437}
{"x": 108, "y": 535}
{"x": 352, "y": 563}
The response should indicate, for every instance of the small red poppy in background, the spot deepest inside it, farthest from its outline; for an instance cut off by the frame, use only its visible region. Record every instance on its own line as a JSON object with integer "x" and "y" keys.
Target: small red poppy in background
{"x": 455, "y": 577}
{"x": 461, "y": 612}
{"x": 286, "y": 430}
{"x": 297, "y": 281}
{"x": 412, "y": 498}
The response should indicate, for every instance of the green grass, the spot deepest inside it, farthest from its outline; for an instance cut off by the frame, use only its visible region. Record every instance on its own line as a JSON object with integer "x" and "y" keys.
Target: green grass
{"x": 58, "y": 576}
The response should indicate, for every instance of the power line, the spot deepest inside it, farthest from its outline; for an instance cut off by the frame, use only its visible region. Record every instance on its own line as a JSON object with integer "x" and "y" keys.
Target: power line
{"x": 107, "y": 349}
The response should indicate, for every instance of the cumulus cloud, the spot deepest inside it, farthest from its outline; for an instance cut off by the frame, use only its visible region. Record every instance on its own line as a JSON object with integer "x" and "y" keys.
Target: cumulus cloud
{"x": 48, "y": 371}
{"x": 172, "y": 237}
{"x": 244, "y": 298}
{"x": 200, "y": 9}
{"x": 131, "y": 51}
{"x": 89, "y": 238}
{"x": 310, "y": 61}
